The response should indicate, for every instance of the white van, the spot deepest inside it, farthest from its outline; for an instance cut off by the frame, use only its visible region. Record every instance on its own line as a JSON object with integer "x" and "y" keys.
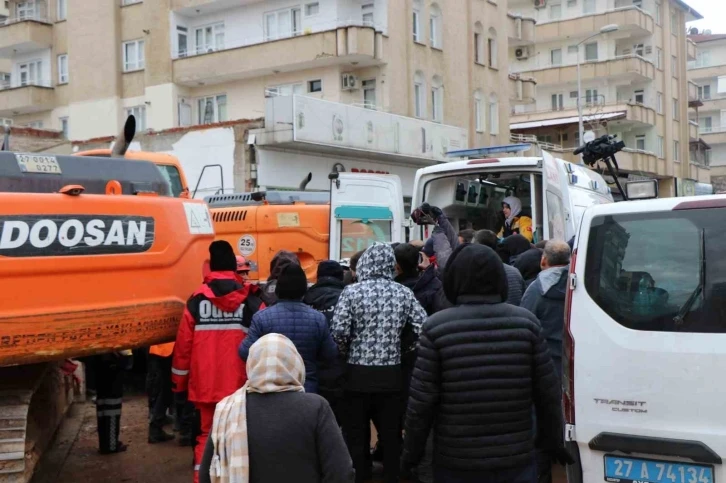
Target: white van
{"x": 644, "y": 343}
{"x": 554, "y": 193}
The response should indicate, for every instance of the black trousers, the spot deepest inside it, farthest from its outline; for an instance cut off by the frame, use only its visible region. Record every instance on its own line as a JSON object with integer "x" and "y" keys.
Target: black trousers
{"x": 189, "y": 420}
{"x": 158, "y": 387}
{"x": 109, "y": 393}
{"x": 385, "y": 408}
{"x": 524, "y": 474}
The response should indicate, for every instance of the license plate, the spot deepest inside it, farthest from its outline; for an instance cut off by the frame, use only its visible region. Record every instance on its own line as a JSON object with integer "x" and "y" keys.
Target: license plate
{"x": 34, "y": 163}
{"x": 636, "y": 470}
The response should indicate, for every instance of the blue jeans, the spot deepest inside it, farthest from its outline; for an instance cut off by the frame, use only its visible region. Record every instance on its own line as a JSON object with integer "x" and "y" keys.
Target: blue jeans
{"x": 526, "y": 474}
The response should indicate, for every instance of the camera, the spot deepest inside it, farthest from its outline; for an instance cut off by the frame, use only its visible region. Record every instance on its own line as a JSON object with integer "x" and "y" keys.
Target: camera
{"x": 601, "y": 148}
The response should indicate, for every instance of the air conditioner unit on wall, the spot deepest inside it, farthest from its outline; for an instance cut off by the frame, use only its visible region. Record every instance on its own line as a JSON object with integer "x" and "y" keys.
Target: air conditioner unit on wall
{"x": 349, "y": 82}
{"x": 540, "y": 3}
{"x": 521, "y": 53}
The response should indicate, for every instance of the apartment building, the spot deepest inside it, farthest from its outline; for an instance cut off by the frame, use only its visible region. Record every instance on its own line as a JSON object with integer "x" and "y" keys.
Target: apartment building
{"x": 708, "y": 72}
{"x": 632, "y": 56}
{"x": 182, "y": 62}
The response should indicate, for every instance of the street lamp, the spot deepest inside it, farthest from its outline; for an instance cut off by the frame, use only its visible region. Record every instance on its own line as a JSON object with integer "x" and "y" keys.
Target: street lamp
{"x": 605, "y": 30}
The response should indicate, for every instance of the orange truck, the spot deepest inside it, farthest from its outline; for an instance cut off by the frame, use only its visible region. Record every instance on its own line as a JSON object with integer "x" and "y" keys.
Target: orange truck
{"x": 96, "y": 255}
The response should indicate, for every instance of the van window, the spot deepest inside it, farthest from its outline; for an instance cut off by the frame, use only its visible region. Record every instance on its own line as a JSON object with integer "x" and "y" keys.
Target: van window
{"x": 356, "y": 235}
{"x": 171, "y": 174}
{"x": 555, "y": 216}
{"x": 660, "y": 272}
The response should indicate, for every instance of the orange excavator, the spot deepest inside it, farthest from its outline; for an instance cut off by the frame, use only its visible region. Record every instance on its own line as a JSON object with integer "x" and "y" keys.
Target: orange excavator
{"x": 96, "y": 255}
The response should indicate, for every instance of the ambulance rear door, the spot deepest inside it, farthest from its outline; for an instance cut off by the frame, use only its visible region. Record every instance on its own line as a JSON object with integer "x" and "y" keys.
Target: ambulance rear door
{"x": 364, "y": 209}
{"x": 555, "y": 203}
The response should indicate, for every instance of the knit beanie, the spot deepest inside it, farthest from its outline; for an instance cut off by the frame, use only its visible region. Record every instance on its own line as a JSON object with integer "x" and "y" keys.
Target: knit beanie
{"x": 221, "y": 257}
{"x": 292, "y": 283}
{"x": 330, "y": 268}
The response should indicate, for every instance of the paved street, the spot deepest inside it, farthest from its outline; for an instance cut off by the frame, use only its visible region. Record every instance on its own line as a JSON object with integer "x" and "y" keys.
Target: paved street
{"x": 74, "y": 457}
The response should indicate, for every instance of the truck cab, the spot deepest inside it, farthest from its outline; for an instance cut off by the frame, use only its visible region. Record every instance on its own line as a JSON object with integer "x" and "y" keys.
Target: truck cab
{"x": 554, "y": 193}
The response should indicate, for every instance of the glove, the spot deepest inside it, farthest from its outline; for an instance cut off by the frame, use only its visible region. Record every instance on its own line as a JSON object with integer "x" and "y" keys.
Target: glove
{"x": 434, "y": 211}
{"x": 563, "y": 457}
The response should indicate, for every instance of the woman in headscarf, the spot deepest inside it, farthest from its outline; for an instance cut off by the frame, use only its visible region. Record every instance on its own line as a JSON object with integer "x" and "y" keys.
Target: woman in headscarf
{"x": 288, "y": 435}
{"x": 514, "y": 223}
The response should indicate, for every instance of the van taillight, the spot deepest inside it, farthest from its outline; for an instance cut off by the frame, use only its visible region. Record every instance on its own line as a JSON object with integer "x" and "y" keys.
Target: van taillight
{"x": 568, "y": 347}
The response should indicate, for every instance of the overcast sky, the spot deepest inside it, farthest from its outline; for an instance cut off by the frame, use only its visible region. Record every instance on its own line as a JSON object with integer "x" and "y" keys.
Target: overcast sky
{"x": 714, "y": 14}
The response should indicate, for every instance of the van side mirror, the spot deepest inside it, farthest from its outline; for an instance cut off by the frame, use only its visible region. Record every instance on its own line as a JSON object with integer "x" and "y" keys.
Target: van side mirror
{"x": 642, "y": 190}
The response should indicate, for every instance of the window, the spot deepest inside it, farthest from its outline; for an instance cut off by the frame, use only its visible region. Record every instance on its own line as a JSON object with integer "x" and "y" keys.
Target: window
{"x": 356, "y": 235}
{"x": 492, "y": 48}
{"x": 435, "y": 26}
{"x": 63, "y": 69}
{"x": 661, "y": 147}
{"x": 478, "y": 112}
{"x": 556, "y": 11}
{"x": 555, "y": 216}
{"x": 493, "y": 114}
{"x": 704, "y": 92}
{"x": 62, "y": 9}
{"x": 658, "y": 13}
{"x": 284, "y": 90}
{"x": 558, "y": 102}
{"x": 130, "y": 2}
{"x": 591, "y": 52}
{"x": 632, "y": 274}
{"x": 139, "y": 112}
{"x": 182, "y": 44}
{"x": 64, "y": 126}
{"x": 556, "y": 56}
{"x": 705, "y": 124}
{"x": 674, "y": 66}
{"x": 437, "y": 99}
{"x": 315, "y": 86}
{"x": 707, "y": 157}
{"x": 591, "y": 97}
{"x": 478, "y": 43}
{"x": 133, "y": 54}
{"x": 369, "y": 93}
{"x": 676, "y": 110}
{"x": 209, "y": 38}
{"x": 640, "y": 96}
{"x": 312, "y": 9}
{"x": 417, "y": 21}
{"x": 721, "y": 84}
{"x": 367, "y": 14}
{"x": 30, "y": 73}
{"x": 571, "y": 4}
{"x": 659, "y": 101}
{"x": 212, "y": 109}
{"x": 674, "y": 23}
{"x": 659, "y": 58}
{"x": 639, "y": 49}
{"x": 676, "y": 151}
{"x": 640, "y": 142}
{"x": 282, "y": 24}
{"x": 26, "y": 10}
{"x": 703, "y": 58}
{"x": 36, "y": 124}
{"x": 171, "y": 174}
{"x": 573, "y": 49}
{"x": 419, "y": 98}
{"x": 588, "y": 7}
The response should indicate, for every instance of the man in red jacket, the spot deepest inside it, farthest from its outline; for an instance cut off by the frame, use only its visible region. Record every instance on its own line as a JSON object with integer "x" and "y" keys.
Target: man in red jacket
{"x": 215, "y": 322}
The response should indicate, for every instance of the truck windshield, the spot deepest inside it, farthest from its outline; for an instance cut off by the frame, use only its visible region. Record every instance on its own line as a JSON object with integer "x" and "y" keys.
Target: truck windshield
{"x": 660, "y": 271}
{"x": 357, "y": 235}
{"x": 171, "y": 174}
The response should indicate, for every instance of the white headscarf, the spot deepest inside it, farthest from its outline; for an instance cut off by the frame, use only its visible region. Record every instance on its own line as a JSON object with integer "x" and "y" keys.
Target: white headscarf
{"x": 273, "y": 365}
{"x": 515, "y": 207}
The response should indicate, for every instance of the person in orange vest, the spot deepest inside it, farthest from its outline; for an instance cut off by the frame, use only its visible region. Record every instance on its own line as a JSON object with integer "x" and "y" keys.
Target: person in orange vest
{"x": 158, "y": 387}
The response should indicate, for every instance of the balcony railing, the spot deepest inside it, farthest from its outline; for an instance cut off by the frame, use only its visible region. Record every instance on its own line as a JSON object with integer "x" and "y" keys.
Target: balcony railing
{"x": 550, "y": 65}
{"x": 711, "y": 129}
{"x": 232, "y": 40}
{"x": 576, "y": 15}
{"x": 15, "y": 83}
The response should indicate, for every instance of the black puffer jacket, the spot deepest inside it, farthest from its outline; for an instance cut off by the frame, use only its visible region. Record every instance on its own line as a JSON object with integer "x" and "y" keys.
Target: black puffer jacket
{"x": 425, "y": 287}
{"x": 323, "y": 297}
{"x": 481, "y": 367}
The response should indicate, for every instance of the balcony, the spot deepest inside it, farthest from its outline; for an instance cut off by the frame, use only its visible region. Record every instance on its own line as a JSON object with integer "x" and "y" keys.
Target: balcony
{"x": 705, "y": 71}
{"x": 692, "y": 130}
{"x": 637, "y": 115}
{"x": 691, "y": 49}
{"x": 520, "y": 30}
{"x": 26, "y": 99}
{"x": 631, "y": 68}
{"x": 631, "y": 160}
{"x": 522, "y": 90}
{"x": 713, "y": 103}
{"x": 341, "y": 45}
{"x": 693, "y": 99}
{"x": 206, "y": 5}
{"x": 20, "y": 36}
{"x": 632, "y": 20}
{"x": 713, "y": 135}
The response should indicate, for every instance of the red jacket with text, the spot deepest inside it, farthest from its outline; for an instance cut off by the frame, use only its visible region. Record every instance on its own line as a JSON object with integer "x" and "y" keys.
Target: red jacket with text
{"x": 215, "y": 323}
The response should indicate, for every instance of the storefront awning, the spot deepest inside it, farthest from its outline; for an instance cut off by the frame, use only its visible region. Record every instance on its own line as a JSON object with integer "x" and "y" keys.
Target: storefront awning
{"x": 566, "y": 120}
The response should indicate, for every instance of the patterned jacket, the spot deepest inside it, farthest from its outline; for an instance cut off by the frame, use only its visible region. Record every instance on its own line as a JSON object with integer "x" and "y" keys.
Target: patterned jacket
{"x": 372, "y": 313}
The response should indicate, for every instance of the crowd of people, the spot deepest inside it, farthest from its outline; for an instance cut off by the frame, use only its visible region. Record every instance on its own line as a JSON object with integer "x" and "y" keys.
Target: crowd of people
{"x": 450, "y": 350}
